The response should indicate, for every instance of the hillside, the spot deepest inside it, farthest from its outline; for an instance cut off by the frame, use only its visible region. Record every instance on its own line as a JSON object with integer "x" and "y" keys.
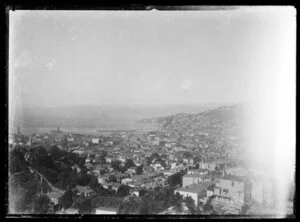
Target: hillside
{"x": 224, "y": 120}
{"x": 96, "y": 117}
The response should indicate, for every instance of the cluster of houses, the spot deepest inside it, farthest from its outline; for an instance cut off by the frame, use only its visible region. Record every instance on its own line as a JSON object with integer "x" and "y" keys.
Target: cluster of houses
{"x": 229, "y": 191}
{"x": 209, "y": 176}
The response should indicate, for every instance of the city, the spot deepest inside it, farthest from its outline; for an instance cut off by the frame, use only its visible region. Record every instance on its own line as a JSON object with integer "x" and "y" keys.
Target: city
{"x": 193, "y": 168}
{"x": 189, "y": 113}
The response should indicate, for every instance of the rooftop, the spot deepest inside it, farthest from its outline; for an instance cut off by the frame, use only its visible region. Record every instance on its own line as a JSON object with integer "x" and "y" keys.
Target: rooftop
{"x": 233, "y": 177}
{"x": 195, "y": 188}
{"x": 84, "y": 189}
{"x": 196, "y": 175}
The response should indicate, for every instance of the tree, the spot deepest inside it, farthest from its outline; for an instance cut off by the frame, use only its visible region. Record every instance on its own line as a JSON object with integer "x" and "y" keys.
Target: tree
{"x": 15, "y": 164}
{"x": 85, "y": 207}
{"x": 208, "y": 208}
{"x": 66, "y": 200}
{"x": 123, "y": 191}
{"x": 115, "y": 164}
{"x": 129, "y": 163}
{"x": 174, "y": 179}
{"x": 187, "y": 155}
{"x": 142, "y": 192}
{"x": 41, "y": 204}
{"x": 139, "y": 170}
{"x": 177, "y": 201}
{"x": 155, "y": 156}
{"x": 112, "y": 178}
{"x": 190, "y": 203}
{"x": 83, "y": 180}
{"x": 93, "y": 182}
{"x": 102, "y": 172}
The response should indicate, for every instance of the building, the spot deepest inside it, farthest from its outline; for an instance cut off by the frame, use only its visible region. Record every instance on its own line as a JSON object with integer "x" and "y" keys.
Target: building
{"x": 85, "y": 190}
{"x": 70, "y": 139}
{"x": 170, "y": 144}
{"x": 231, "y": 187}
{"x": 95, "y": 140}
{"x": 208, "y": 165}
{"x": 237, "y": 171}
{"x": 197, "y": 171}
{"x": 196, "y": 191}
{"x": 190, "y": 179}
{"x": 126, "y": 181}
{"x": 189, "y": 161}
{"x": 115, "y": 186}
{"x": 54, "y": 196}
{"x": 106, "y": 210}
{"x": 131, "y": 170}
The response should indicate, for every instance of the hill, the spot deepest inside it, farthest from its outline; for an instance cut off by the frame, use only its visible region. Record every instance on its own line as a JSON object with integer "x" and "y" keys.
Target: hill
{"x": 95, "y": 117}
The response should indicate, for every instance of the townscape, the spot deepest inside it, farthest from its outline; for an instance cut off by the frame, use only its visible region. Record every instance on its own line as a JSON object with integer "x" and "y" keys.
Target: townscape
{"x": 154, "y": 110}
{"x": 192, "y": 164}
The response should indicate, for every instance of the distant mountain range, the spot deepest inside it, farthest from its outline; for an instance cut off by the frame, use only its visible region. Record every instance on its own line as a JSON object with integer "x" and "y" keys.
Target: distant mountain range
{"x": 229, "y": 113}
{"x": 96, "y": 117}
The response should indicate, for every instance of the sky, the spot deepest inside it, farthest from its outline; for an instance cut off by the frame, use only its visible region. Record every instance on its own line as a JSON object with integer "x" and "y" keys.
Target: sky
{"x": 59, "y": 58}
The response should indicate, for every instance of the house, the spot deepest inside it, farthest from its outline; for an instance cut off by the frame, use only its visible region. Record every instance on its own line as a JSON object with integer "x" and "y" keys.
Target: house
{"x": 138, "y": 162}
{"x": 54, "y": 196}
{"x": 208, "y": 165}
{"x": 106, "y": 185}
{"x": 189, "y": 161}
{"x": 190, "y": 179}
{"x": 135, "y": 192}
{"x": 85, "y": 143}
{"x": 196, "y": 191}
{"x": 79, "y": 152}
{"x": 157, "y": 167}
{"x": 170, "y": 144}
{"x": 131, "y": 170}
{"x": 126, "y": 180}
{"x": 231, "y": 187}
{"x": 108, "y": 159}
{"x": 85, "y": 190}
{"x": 69, "y": 139}
{"x": 173, "y": 165}
{"x": 75, "y": 167}
{"x": 115, "y": 186}
{"x": 101, "y": 180}
{"x": 109, "y": 143}
{"x": 88, "y": 165}
{"x": 88, "y": 159}
{"x": 122, "y": 159}
{"x": 237, "y": 171}
{"x": 95, "y": 140}
{"x": 106, "y": 210}
{"x": 197, "y": 171}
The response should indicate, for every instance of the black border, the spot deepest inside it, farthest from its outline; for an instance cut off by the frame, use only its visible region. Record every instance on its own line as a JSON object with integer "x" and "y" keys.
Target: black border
{"x": 119, "y": 7}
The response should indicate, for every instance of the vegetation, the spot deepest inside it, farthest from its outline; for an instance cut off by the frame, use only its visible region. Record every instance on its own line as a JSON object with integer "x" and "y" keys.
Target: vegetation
{"x": 175, "y": 179}
{"x": 66, "y": 201}
{"x": 154, "y": 202}
{"x": 139, "y": 170}
{"x": 28, "y": 188}
{"x": 57, "y": 167}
